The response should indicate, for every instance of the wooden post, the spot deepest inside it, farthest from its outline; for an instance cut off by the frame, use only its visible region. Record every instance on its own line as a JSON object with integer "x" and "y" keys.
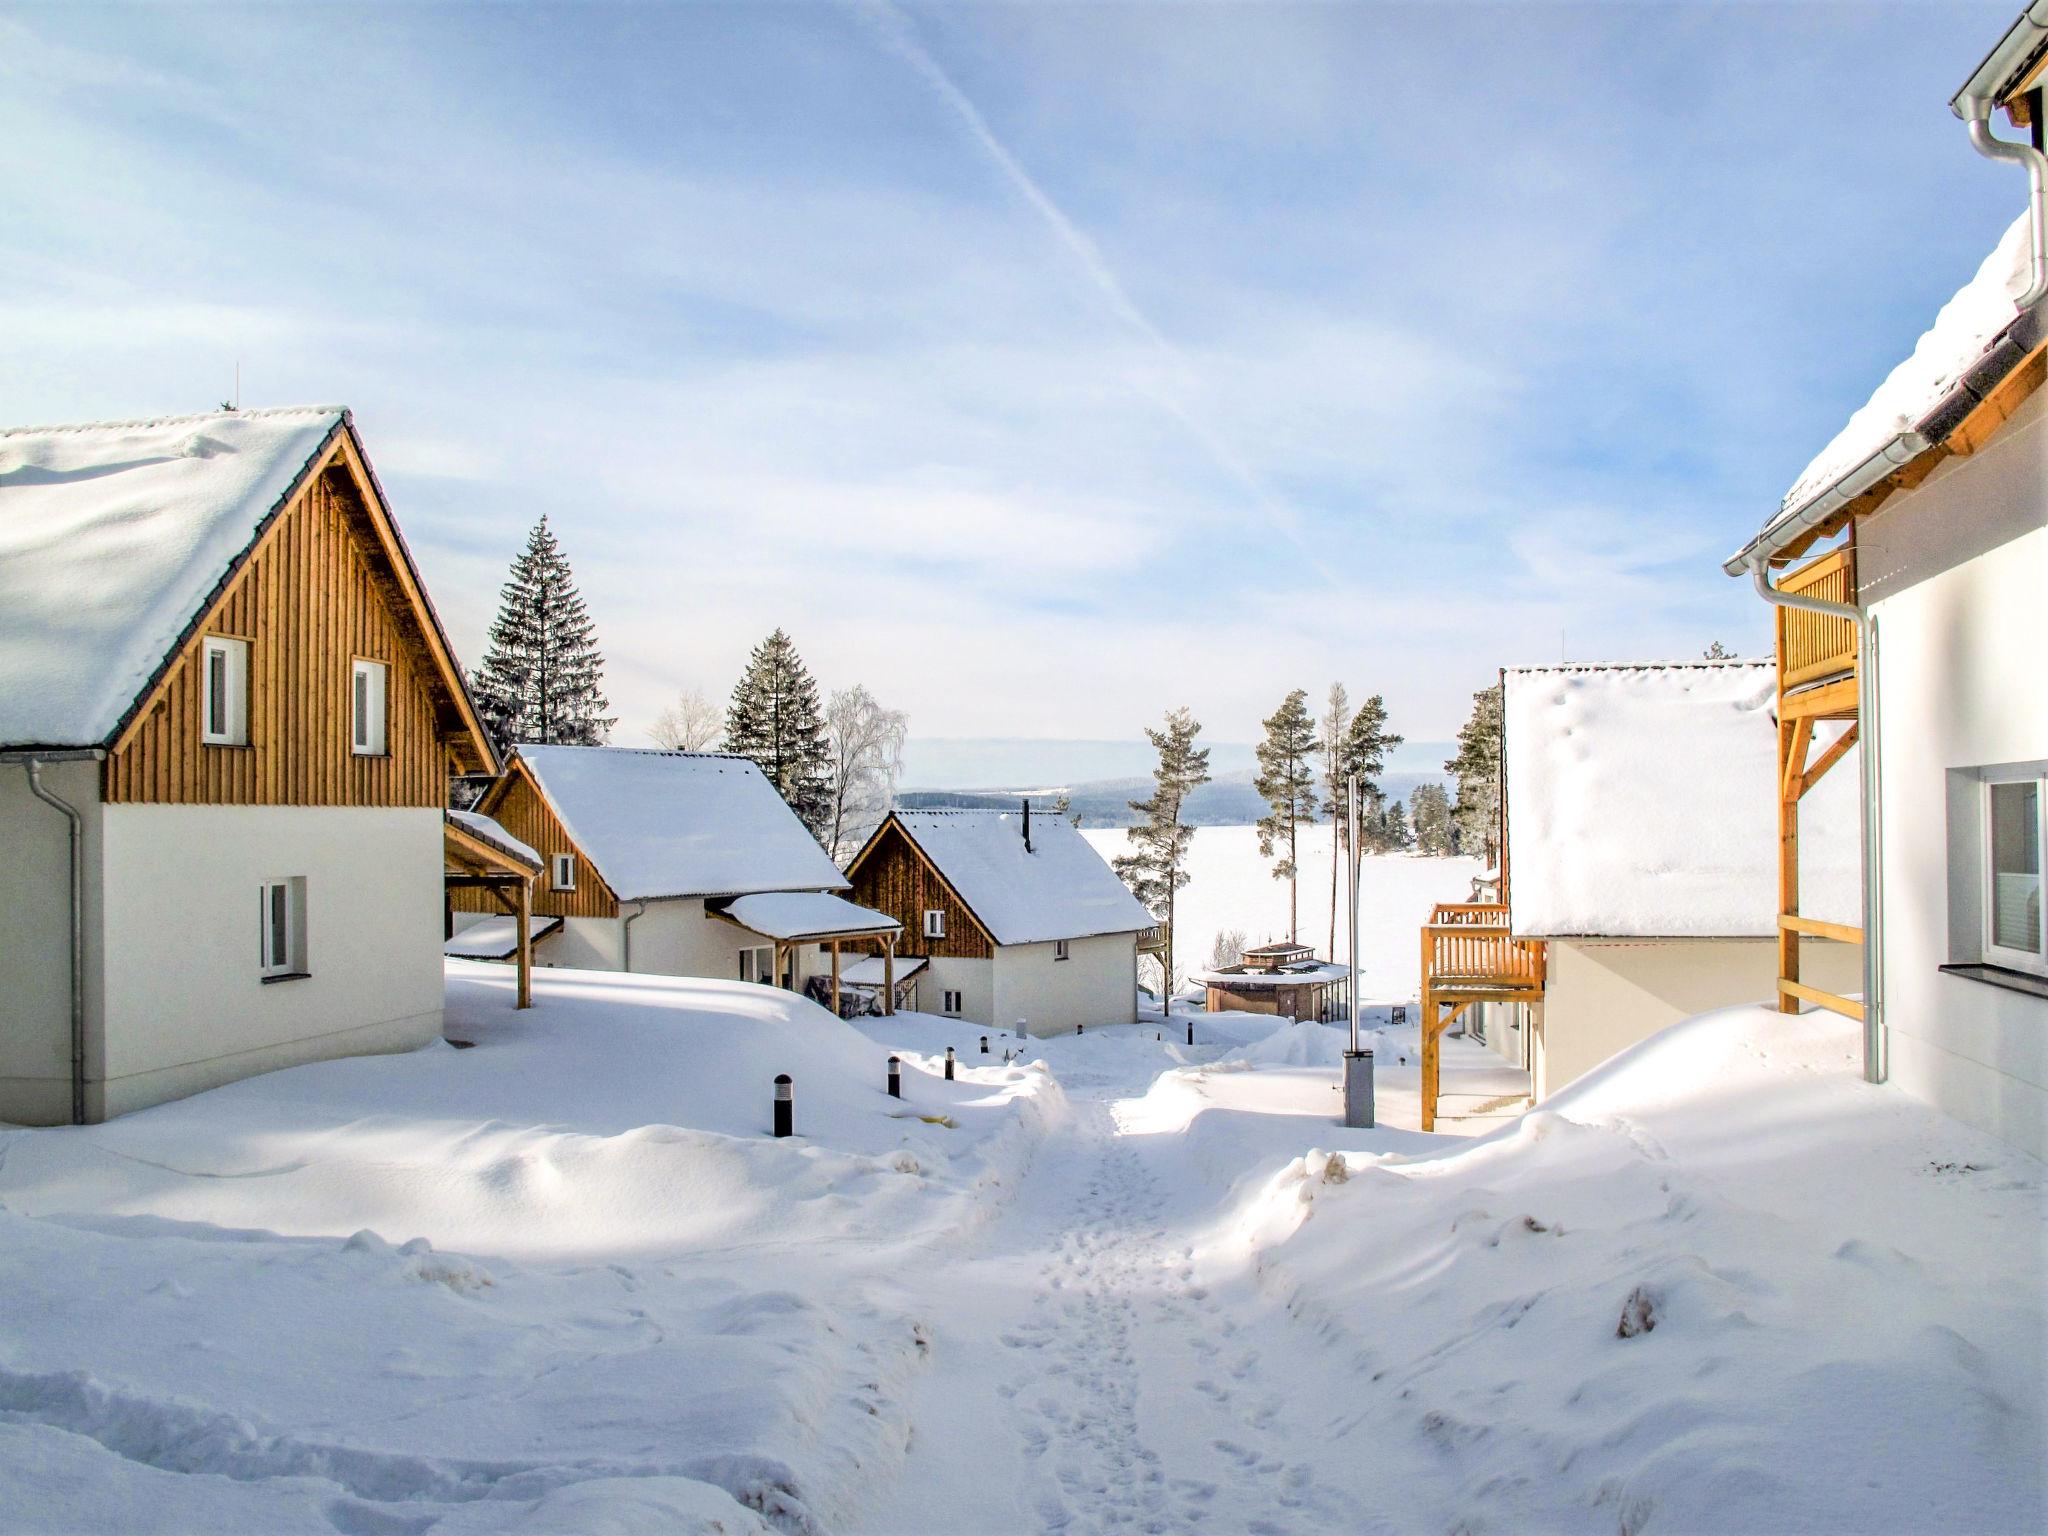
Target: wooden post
{"x": 785, "y": 967}
{"x": 1792, "y": 740}
{"x": 889, "y": 975}
{"x": 835, "y": 976}
{"x": 1426, "y": 1068}
{"x": 524, "y": 918}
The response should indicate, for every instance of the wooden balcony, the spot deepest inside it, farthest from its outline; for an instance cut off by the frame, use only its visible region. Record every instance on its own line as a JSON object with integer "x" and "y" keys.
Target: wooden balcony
{"x": 1816, "y": 651}
{"x": 1469, "y": 956}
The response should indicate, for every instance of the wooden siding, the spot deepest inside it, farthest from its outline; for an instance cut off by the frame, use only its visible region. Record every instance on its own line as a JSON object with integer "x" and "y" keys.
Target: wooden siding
{"x": 894, "y": 877}
{"x": 518, "y": 806}
{"x": 311, "y": 600}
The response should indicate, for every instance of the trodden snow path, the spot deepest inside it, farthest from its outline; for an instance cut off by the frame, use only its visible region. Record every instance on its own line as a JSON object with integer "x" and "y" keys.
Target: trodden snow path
{"x": 1084, "y": 1377}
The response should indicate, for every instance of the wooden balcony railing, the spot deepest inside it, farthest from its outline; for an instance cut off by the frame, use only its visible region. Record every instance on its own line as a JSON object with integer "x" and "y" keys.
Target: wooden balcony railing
{"x": 1816, "y": 645}
{"x": 1467, "y": 945}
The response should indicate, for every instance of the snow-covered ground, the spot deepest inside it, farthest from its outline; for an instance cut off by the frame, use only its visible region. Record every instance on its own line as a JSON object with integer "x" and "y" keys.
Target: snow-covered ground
{"x": 563, "y": 1282}
{"x": 1233, "y": 887}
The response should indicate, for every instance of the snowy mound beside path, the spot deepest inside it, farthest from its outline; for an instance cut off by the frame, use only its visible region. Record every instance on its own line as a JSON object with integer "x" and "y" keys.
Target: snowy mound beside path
{"x": 560, "y": 1281}
{"x": 1719, "y": 1285}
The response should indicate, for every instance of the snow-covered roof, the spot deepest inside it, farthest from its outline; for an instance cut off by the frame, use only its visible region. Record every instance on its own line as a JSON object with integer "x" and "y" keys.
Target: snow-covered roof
{"x": 662, "y": 824}
{"x": 1321, "y": 971}
{"x": 790, "y": 915}
{"x": 1642, "y": 802}
{"x": 496, "y": 937}
{"x": 112, "y": 538}
{"x": 1060, "y": 889}
{"x": 867, "y": 971}
{"x": 1961, "y": 334}
{"x": 481, "y": 826}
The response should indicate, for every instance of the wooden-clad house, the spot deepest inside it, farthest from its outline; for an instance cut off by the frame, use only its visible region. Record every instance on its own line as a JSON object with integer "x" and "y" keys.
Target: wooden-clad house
{"x": 1908, "y": 564}
{"x": 674, "y": 863}
{"x": 228, "y": 717}
{"x": 1286, "y": 980}
{"x": 1012, "y": 917}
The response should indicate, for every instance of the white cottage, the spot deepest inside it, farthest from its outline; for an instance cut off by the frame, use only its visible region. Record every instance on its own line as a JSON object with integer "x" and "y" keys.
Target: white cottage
{"x": 1909, "y": 564}
{"x": 1008, "y": 917}
{"x": 228, "y": 716}
{"x": 1639, "y": 863}
{"x": 672, "y": 863}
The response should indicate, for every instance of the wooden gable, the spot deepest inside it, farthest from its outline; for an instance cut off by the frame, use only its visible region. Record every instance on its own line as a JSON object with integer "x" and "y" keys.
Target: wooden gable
{"x": 516, "y": 803}
{"x": 892, "y": 875}
{"x": 324, "y": 584}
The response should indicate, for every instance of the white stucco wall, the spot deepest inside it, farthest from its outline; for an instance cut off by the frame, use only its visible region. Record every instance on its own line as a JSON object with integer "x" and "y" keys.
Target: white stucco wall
{"x": 186, "y": 1007}
{"x": 1602, "y": 996}
{"x": 1956, "y": 573}
{"x": 1096, "y": 984}
{"x": 974, "y": 980}
{"x": 35, "y": 928}
{"x": 581, "y": 943}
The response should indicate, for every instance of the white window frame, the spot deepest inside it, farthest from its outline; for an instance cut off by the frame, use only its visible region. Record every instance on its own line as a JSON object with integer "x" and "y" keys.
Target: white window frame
{"x": 562, "y": 872}
{"x": 950, "y": 1003}
{"x": 935, "y": 922}
{"x": 1060, "y": 951}
{"x": 760, "y": 958}
{"x": 2035, "y": 962}
{"x": 369, "y": 706}
{"x": 228, "y": 687}
{"x": 281, "y": 928}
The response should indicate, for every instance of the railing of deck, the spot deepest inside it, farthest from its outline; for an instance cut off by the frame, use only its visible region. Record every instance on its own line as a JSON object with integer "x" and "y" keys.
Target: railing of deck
{"x": 1469, "y": 942}
{"x": 1817, "y": 645}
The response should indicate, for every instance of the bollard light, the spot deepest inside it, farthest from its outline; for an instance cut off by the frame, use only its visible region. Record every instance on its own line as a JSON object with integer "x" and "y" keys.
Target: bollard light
{"x": 1077, "y": 1029}
{"x": 984, "y": 1045}
{"x": 785, "y": 1105}
{"x": 949, "y": 1063}
{"x": 1191, "y": 1031}
{"x": 895, "y": 1077}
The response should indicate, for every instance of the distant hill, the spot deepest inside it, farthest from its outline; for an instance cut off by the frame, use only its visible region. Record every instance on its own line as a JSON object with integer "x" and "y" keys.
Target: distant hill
{"x": 1228, "y": 800}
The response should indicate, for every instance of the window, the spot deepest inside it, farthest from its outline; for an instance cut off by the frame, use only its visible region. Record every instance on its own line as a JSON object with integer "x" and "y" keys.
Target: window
{"x": 372, "y": 681}
{"x": 1059, "y": 949}
{"x": 935, "y": 925}
{"x": 224, "y": 692}
{"x": 2013, "y": 835}
{"x": 282, "y": 928}
{"x": 952, "y": 1002}
{"x": 758, "y": 964}
{"x": 562, "y": 872}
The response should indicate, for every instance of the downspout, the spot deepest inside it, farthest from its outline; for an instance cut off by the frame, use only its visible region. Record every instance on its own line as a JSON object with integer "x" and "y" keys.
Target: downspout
{"x": 1981, "y": 140}
{"x": 626, "y": 936}
{"x": 77, "y": 821}
{"x": 1875, "y": 1066}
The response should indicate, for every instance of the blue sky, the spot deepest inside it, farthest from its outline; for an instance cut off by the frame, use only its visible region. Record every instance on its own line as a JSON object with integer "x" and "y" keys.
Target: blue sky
{"x": 1040, "y": 367}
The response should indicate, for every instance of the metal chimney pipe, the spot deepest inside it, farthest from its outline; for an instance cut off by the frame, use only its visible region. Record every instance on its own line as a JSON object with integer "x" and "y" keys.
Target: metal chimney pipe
{"x": 1027, "y": 825}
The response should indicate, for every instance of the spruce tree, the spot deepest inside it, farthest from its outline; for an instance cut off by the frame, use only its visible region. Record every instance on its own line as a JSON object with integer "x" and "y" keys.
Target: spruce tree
{"x": 775, "y": 719}
{"x": 1287, "y": 782}
{"x": 1157, "y": 865}
{"x": 1475, "y": 818}
{"x": 542, "y": 674}
{"x": 1394, "y": 836}
{"x": 1431, "y": 811}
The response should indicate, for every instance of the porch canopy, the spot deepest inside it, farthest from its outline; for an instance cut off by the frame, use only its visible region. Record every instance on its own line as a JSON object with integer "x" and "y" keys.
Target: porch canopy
{"x": 478, "y": 854}
{"x": 816, "y": 917}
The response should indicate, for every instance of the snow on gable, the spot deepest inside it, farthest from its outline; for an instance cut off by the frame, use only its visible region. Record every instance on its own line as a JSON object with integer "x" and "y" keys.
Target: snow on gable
{"x": 1642, "y": 803}
{"x": 112, "y": 539}
{"x": 662, "y": 824}
{"x": 1960, "y": 335}
{"x": 1058, "y": 889}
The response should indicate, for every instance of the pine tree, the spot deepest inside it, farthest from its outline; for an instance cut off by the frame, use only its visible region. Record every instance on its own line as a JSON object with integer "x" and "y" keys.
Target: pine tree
{"x": 775, "y": 719}
{"x": 1287, "y": 782}
{"x": 542, "y": 673}
{"x": 1157, "y": 865}
{"x": 1330, "y": 744}
{"x": 1364, "y": 752}
{"x": 1717, "y": 652}
{"x": 1475, "y": 818}
{"x": 1432, "y": 816}
{"x": 1392, "y": 829}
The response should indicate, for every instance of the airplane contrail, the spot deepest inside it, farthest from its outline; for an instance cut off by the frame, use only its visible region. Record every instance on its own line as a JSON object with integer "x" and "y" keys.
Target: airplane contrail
{"x": 897, "y": 30}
